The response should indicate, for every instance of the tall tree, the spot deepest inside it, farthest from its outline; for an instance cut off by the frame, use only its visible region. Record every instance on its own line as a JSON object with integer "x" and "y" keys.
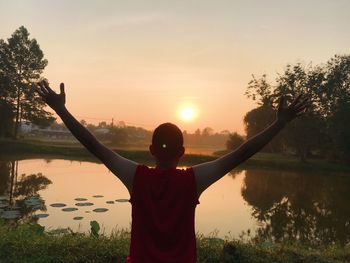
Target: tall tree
{"x": 6, "y": 102}
{"x": 335, "y": 105}
{"x": 306, "y": 133}
{"x": 25, "y": 65}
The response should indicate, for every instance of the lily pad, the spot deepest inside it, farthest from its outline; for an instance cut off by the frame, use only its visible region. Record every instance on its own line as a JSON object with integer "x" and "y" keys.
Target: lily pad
{"x": 100, "y": 210}
{"x": 40, "y": 215}
{"x": 10, "y": 214}
{"x": 122, "y": 200}
{"x": 78, "y": 218}
{"x": 110, "y": 202}
{"x": 4, "y": 198}
{"x": 69, "y": 209}
{"x": 33, "y": 201}
{"x": 80, "y": 199}
{"x": 97, "y": 196}
{"x": 3, "y": 205}
{"x": 58, "y": 205}
{"x": 14, "y": 207}
{"x": 35, "y": 206}
{"x": 29, "y": 202}
{"x": 84, "y": 204}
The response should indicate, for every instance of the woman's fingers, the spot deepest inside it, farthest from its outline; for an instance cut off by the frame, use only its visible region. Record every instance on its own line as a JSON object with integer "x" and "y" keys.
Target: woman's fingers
{"x": 295, "y": 101}
{"x": 62, "y": 88}
{"x": 301, "y": 112}
{"x": 43, "y": 88}
{"x": 38, "y": 89}
{"x": 48, "y": 88}
{"x": 40, "y": 85}
{"x": 303, "y": 104}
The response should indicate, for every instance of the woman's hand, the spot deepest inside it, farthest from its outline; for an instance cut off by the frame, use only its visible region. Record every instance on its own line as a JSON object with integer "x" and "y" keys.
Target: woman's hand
{"x": 287, "y": 113}
{"x": 54, "y": 100}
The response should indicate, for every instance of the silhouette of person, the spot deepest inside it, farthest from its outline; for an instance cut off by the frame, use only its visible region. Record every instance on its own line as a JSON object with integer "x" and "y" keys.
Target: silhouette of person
{"x": 164, "y": 198}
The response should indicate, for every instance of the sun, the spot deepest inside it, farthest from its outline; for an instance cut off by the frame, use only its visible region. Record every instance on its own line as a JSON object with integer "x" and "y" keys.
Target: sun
{"x": 187, "y": 113}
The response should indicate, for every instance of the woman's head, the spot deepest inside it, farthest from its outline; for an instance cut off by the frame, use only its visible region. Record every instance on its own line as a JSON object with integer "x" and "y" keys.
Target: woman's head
{"x": 167, "y": 142}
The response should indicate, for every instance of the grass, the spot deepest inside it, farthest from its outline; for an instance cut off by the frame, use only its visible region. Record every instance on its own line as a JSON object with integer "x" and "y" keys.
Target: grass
{"x": 31, "y": 243}
{"x": 289, "y": 162}
{"x": 24, "y": 149}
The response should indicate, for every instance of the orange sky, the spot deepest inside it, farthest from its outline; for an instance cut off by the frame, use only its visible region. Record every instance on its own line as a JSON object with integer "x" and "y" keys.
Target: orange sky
{"x": 139, "y": 61}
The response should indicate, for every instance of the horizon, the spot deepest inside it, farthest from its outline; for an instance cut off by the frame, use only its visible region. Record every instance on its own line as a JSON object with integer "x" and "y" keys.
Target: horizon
{"x": 141, "y": 62}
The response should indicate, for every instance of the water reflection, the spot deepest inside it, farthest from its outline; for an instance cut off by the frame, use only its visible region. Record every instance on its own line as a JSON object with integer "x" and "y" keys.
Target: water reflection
{"x": 19, "y": 194}
{"x": 305, "y": 207}
{"x": 279, "y": 205}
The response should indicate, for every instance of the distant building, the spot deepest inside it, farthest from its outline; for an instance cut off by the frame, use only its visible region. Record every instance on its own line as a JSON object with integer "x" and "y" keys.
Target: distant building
{"x": 102, "y": 131}
{"x": 55, "y": 131}
{"x": 25, "y": 127}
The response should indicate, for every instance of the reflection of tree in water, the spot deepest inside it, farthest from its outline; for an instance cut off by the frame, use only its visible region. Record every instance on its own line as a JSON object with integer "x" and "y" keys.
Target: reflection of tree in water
{"x": 233, "y": 173}
{"x": 305, "y": 207}
{"x": 18, "y": 189}
{"x": 4, "y": 176}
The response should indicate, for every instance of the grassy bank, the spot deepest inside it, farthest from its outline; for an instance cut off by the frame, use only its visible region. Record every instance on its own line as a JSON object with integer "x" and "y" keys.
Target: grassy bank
{"x": 23, "y": 149}
{"x": 30, "y": 149}
{"x": 30, "y": 243}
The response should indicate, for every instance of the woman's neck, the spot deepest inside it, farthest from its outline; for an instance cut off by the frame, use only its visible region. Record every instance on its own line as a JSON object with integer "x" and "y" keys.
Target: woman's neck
{"x": 166, "y": 164}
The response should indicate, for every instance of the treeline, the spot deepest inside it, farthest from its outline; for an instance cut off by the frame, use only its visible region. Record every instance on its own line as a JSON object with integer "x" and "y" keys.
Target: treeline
{"x": 124, "y": 135}
{"x": 324, "y": 130}
{"x": 21, "y": 65}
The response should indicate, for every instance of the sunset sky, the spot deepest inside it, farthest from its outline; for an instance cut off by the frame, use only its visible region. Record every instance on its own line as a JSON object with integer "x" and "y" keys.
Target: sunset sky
{"x": 141, "y": 61}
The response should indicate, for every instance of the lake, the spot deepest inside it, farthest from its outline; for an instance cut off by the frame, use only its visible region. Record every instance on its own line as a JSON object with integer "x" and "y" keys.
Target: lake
{"x": 271, "y": 204}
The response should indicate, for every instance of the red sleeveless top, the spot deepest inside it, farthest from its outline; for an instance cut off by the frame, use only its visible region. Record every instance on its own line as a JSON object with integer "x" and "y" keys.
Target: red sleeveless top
{"x": 163, "y": 208}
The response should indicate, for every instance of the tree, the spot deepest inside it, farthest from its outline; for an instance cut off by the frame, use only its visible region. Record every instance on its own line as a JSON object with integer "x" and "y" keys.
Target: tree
{"x": 197, "y": 133}
{"x": 258, "y": 119}
{"x": 234, "y": 141}
{"x": 6, "y": 105}
{"x": 119, "y": 136}
{"x": 335, "y": 105}
{"x": 260, "y": 90}
{"x": 6, "y": 119}
{"x": 207, "y": 131}
{"x": 102, "y": 124}
{"x": 335, "y": 90}
{"x": 24, "y": 64}
{"x": 304, "y": 134}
